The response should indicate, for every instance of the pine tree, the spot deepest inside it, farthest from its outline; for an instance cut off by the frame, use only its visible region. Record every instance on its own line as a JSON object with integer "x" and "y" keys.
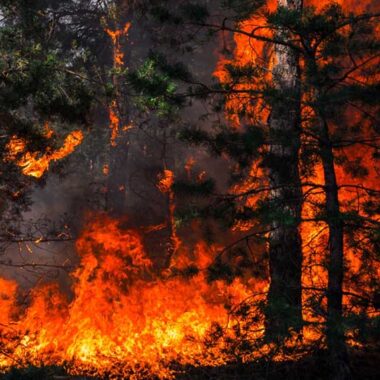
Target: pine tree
{"x": 43, "y": 81}
{"x": 334, "y": 95}
{"x": 285, "y": 245}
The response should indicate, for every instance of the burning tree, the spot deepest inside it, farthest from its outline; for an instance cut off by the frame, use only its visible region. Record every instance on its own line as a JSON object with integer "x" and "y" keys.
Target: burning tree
{"x": 44, "y": 102}
{"x": 317, "y": 88}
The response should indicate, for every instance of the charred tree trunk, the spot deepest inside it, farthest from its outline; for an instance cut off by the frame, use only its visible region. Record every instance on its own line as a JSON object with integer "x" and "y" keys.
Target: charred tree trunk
{"x": 119, "y": 115}
{"x": 284, "y": 304}
{"x": 117, "y": 179}
{"x": 334, "y": 331}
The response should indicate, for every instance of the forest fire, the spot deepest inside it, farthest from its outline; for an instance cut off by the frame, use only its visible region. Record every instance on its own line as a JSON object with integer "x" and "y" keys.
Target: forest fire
{"x": 272, "y": 261}
{"x": 251, "y": 48}
{"x": 122, "y": 313}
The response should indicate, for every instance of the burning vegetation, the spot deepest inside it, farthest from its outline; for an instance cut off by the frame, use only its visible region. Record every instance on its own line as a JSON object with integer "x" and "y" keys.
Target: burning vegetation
{"x": 235, "y": 227}
{"x": 35, "y": 164}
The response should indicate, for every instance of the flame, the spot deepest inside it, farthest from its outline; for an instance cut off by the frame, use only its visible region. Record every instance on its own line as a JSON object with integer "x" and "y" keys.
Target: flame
{"x": 35, "y": 164}
{"x": 118, "y": 55}
{"x": 165, "y": 185}
{"x": 118, "y": 63}
{"x": 123, "y": 316}
{"x": 240, "y": 109}
{"x": 247, "y": 52}
{"x": 106, "y": 169}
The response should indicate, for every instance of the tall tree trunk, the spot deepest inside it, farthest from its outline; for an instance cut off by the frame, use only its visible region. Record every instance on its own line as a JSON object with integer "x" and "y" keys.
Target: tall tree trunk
{"x": 334, "y": 331}
{"x": 117, "y": 179}
{"x": 119, "y": 115}
{"x": 284, "y": 309}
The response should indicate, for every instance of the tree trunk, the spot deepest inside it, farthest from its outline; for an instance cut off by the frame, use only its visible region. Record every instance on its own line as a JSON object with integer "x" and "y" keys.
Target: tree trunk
{"x": 334, "y": 331}
{"x": 284, "y": 303}
{"x": 118, "y": 175}
{"x": 119, "y": 114}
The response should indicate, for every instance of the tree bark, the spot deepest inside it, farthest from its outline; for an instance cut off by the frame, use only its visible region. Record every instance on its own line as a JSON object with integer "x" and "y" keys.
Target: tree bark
{"x": 119, "y": 109}
{"x": 334, "y": 329}
{"x": 284, "y": 303}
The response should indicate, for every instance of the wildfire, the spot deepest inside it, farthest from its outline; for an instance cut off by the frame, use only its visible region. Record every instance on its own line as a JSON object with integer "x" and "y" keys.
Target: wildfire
{"x": 35, "y": 164}
{"x": 126, "y": 319}
{"x": 123, "y": 317}
{"x": 240, "y": 109}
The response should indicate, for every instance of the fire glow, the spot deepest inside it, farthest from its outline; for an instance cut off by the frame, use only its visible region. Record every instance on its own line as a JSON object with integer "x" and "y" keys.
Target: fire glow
{"x": 123, "y": 314}
{"x": 35, "y": 164}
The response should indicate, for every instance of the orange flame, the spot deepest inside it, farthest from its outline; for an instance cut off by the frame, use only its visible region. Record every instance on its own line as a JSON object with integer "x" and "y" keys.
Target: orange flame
{"x": 165, "y": 185}
{"x": 35, "y": 164}
{"x": 240, "y": 108}
{"x": 124, "y": 318}
{"x": 118, "y": 63}
{"x": 122, "y": 315}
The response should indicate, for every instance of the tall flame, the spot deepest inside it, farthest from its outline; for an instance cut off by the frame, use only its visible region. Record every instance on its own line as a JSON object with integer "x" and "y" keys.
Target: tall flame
{"x": 123, "y": 316}
{"x": 243, "y": 107}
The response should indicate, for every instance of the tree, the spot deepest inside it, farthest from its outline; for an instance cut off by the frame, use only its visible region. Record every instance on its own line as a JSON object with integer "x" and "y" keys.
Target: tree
{"x": 45, "y": 90}
{"x": 332, "y": 95}
{"x": 339, "y": 52}
{"x": 285, "y": 245}
{"x": 120, "y": 22}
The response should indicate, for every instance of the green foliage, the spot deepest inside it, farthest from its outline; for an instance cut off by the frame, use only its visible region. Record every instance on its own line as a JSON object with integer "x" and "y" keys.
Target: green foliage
{"x": 242, "y": 146}
{"x": 154, "y": 83}
{"x": 43, "y": 77}
{"x": 34, "y": 71}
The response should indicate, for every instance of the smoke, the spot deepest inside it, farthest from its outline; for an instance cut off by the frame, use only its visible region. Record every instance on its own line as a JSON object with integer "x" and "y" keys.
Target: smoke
{"x": 78, "y": 185}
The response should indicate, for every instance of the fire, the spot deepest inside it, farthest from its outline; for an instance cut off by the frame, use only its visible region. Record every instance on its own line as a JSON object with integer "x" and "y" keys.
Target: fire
{"x": 115, "y": 35}
{"x": 165, "y": 185}
{"x": 123, "y": 317}
{"x": 118, "y": 63}
{"x": 246, "y": 53}
{"x": 114, "y": 122}
{"x": 35, "y": 164}
{"x": 242, "y": 109}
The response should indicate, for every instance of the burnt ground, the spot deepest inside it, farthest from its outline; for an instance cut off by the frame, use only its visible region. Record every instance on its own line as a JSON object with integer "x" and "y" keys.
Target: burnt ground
{"x": 365, "y": 366}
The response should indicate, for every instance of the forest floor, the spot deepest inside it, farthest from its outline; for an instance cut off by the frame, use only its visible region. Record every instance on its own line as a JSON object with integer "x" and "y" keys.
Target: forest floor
{"x": 364, "y": 365}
